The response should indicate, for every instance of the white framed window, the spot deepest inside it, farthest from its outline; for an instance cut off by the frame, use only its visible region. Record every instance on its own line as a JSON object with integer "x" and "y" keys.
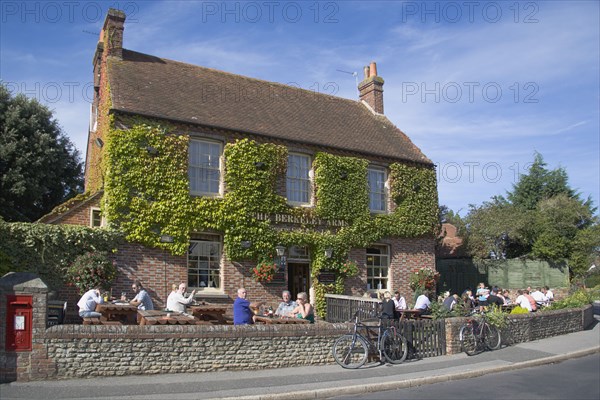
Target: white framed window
{"x": 204, "y": 167}
{"x": 378, "y": 265}
{"x": 96, "y": 219}
{"x": 298, "y": 180}
{"x": 377, "y": 191}
{"x": 204, "y": 263}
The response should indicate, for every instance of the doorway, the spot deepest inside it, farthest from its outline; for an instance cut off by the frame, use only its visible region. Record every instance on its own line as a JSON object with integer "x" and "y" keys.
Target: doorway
{"x": 298, "y": 278}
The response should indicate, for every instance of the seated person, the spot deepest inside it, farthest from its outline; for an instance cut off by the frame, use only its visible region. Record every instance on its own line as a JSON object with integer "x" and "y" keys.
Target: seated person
{"x": 523, "y": 301}
{"x": 548, "y": 293}
{"x": 423, "y": 303}
{"x": 468, "y": 300}
{"x": 388, "y": 310}
{"x": 142, "y": 299}
{"x": 177, "y": 301}
{"x": 286, "y": 306}
{"x": 87, "y": 303}
{"x": 304, "y": 309}
{"x": 494, "y": 299}
{"x": 450, "y": 301}
{"x": 534, "y": 306}
{"x": 242, "y": 309}
{"x": 399, "y": 302}
{"x": 539, "y": 297}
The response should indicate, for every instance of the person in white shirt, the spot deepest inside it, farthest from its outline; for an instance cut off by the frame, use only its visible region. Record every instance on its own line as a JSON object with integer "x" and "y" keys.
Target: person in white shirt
{"x": 177, "y": 301}
{"x": 399, "y": 302}
{"x": 548, "y": 293}
{"x": 87, "y": 303}
{"x": 523, "y": 301}
{"x": 539, "y": 297}
{"x": 423, "y": 303}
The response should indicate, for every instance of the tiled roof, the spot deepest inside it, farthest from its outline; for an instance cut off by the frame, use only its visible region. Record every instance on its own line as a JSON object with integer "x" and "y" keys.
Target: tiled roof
{"x": 152, "y": 86}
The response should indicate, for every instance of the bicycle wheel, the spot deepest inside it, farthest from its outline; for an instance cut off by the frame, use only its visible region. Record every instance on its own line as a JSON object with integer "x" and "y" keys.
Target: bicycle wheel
{"x": 468, "y": 341}
{"x": 350, "y": 351}
{"x": 491, "y": 337}
{"x": 394, "y": 346}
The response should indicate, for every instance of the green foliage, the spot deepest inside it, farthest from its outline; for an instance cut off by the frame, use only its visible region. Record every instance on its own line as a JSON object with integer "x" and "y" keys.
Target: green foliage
{"x": 48, "y": 249}
{"x": 147, "y": 195}
{"x": 39, "y": 167}
{"x": 423, "y": 279}
{"x": 265, "y": 270}
{"x": 542, "y": 218}
{"x": 539, "y": 184}
{"x": 559, "y": 219}
{"x": 519, "y": 310}
{"x": 584, "y": 249}
{"x": 341, "y": 188}
{"x": 90, "y": 270}
{"x": 496, "y": 317}
{"x": 578, "y": 299}
{"x": 414, "y": 190}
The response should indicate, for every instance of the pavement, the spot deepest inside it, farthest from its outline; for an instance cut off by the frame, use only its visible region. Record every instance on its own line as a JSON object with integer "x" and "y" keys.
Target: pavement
{"x": 313, "y": 382}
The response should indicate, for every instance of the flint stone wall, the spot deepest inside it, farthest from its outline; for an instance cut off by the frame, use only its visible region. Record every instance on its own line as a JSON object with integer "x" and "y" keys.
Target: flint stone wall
{"x": 85, "y": 351}
{"x": 527, "y": 327}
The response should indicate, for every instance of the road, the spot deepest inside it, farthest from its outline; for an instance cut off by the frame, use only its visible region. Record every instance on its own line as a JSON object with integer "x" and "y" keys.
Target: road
{"x": 572, "y": 379}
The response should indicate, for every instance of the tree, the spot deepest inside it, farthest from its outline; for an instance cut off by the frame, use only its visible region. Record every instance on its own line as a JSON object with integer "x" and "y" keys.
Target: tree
{"x": 39, "y": 166}
{"x": 539, "y": 184}
{"x": 542, "y": 217}
{"x": 586, "y": 249}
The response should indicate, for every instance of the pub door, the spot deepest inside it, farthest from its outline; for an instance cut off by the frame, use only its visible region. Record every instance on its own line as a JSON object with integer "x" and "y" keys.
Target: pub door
{"x": 298, "y": 278}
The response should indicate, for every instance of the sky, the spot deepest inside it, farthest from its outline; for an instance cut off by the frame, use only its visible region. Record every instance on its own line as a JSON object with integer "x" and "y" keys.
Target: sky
{"x": 478, "y": 86}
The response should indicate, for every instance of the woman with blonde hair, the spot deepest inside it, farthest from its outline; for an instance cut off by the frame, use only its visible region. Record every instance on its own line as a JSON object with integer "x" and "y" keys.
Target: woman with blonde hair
{"x": 303, "y": 310}
{"x": 388, "y": 307}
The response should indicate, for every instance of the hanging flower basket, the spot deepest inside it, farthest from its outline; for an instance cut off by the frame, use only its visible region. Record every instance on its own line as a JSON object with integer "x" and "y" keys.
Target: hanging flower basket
{"x": 423, "y": 278}
{"x": 349, "y": 268}
{"x": 264, "y": 271}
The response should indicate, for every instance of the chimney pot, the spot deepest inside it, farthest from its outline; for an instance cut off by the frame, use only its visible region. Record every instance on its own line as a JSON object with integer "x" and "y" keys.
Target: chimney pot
{"x": 373, "y": 69}
{"x": 366, "y": 71}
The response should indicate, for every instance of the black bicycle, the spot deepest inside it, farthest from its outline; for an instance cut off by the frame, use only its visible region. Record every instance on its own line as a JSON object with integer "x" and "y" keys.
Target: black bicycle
{"x": 477, "y": 334}
{"x": 352, "y": 350}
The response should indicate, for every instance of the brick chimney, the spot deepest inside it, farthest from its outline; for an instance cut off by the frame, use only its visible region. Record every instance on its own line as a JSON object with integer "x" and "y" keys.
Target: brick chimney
{"x": 371, "y": 88}
{"x": 112, "y": 33}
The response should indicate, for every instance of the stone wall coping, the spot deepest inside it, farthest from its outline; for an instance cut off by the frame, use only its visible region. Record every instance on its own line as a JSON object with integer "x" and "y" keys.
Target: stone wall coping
{"x": 192, "y": 331}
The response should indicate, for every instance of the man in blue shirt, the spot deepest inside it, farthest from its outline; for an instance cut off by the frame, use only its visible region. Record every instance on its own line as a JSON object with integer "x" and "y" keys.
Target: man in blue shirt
{"x": 242, "y": 314}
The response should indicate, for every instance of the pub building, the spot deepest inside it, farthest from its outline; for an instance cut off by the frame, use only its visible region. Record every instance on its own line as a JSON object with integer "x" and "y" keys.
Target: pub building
{"x": 209, "y": 174}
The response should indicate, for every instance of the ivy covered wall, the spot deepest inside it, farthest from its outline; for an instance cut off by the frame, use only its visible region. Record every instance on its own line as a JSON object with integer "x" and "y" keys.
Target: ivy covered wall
{"x": 147, "y": 195}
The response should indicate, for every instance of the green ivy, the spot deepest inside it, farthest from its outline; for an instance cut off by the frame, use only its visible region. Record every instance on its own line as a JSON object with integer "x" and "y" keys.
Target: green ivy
{"x": 48, "y": 249}
{"x": 148, "y": 195}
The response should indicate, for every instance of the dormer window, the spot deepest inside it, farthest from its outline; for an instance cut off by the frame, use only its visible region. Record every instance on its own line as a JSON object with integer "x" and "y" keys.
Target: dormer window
{"x": 377, "y": 190}
{"x": 205, "y": 167}
{"x": 298, "y": 182}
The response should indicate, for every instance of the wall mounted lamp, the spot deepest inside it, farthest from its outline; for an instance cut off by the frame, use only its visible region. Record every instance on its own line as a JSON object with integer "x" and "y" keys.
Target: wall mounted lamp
{"x": 328, "y": 252}
{"x": 280, "y": 251}
{"x": 259, "y": 165}
{"x": 246, "y": 244}
{"x": 98, "y": 142}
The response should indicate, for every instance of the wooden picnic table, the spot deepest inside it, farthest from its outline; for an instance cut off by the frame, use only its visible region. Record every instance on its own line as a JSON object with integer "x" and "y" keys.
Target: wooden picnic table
{"x": 211, "y": 312}
{"x": 275, "y": 320}
{"x": 117, "y": 313}
{"x": 410, "y": 314}
{"x": 157, "y": 317}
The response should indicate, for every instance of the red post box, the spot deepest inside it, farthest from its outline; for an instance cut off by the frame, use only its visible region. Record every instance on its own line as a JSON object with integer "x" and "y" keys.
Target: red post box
{"x": 19, "y": 323}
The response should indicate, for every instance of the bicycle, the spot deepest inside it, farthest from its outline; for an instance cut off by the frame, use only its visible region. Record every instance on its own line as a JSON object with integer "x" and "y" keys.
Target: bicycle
{"x": 476, "y": 336}
{"x": 352, "y": 350}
